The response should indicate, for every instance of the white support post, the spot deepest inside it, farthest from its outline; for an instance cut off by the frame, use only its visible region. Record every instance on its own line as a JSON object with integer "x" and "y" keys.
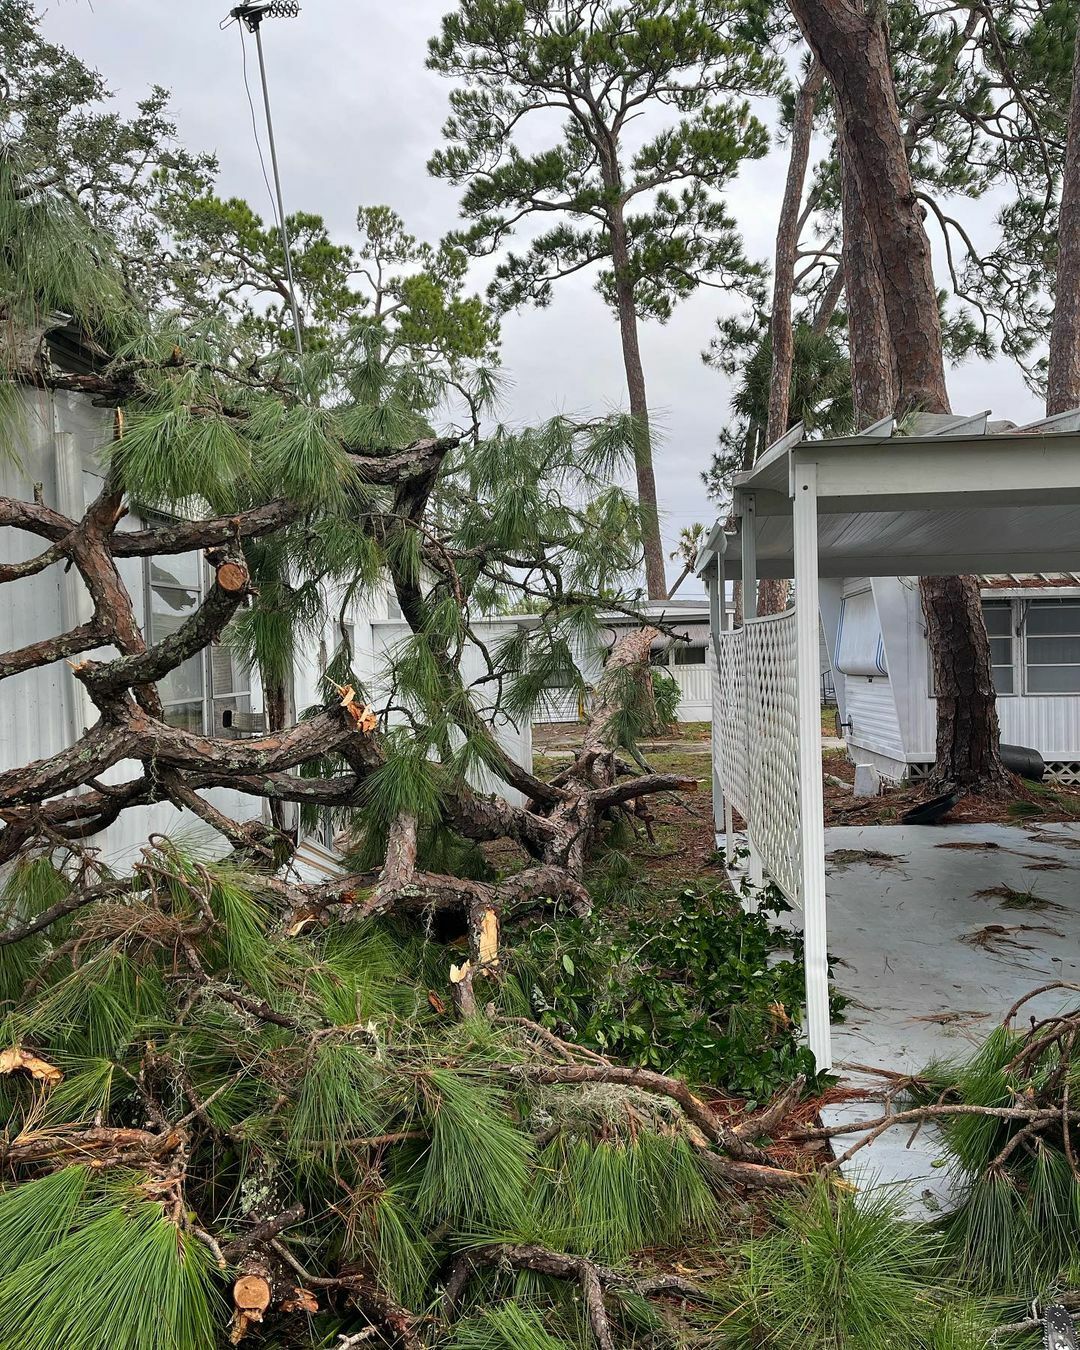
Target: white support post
{"x": 726, "y": 624}
{"x": 716, "y": 607}
{"x": 755, "y": 872}
{"x": 831, "y": 600}
{"x": 811, "y": 806}
{"x": 748, "y": 547}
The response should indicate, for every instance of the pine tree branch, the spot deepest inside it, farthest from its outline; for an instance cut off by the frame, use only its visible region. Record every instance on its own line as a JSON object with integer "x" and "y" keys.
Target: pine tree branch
{"x": 593, "y": 1278}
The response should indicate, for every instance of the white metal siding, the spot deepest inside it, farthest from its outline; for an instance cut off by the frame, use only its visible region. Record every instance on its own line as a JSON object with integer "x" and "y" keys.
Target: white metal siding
{"x": 515, "y": 740}
{"x": 872, "y": 714}
{"x": 695, "y": 693}
{"x": 1050, "y": 724}
{"x": 43, "y": 711}
{"x": 870, "y": 700}
{"x": 695, "y": 703}
{"x": 860, "y": 649}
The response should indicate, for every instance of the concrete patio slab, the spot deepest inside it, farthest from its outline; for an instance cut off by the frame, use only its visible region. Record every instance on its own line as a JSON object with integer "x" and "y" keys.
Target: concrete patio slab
{"x": 931, "y": 948}
{"x": 936, "y": 932}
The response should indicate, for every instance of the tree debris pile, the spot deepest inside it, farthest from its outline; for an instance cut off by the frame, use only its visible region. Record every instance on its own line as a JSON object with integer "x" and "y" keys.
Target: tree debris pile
{"x": 295, "y": 1118}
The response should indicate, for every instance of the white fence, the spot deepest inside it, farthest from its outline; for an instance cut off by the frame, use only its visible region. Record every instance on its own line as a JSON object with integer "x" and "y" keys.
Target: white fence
{"x": 695, "y": 692}
{"x": 755, "y": 740}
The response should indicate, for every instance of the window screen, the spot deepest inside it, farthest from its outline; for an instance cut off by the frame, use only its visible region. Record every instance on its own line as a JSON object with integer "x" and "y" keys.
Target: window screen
{"x": 999, "y": 625}
{"x": 1052, "y": 647}
{"x": 175, "y": 594}
{"x": 213, "y": 681}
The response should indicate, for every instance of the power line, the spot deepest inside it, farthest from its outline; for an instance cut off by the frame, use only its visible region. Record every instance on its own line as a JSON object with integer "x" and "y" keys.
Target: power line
{"x": 255, "y": 127}
{"x": 251, "y": 14}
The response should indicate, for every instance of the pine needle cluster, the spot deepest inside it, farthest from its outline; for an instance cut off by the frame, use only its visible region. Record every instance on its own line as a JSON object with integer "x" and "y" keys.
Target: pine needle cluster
{"x": 218, "y": 1072}
{"x": 1015, "y": 1232}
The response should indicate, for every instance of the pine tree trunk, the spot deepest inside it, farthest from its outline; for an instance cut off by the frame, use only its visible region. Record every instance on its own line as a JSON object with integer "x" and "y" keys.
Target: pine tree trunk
{"x": 967, "y": 720}
{"x": 852, "y": 44}
{"x": 873, "y": 366}
{"x": 655, "y": 575}
{"x": 853, "y": 47}
{"x": 276, "y": 703}
{"x": 773, "y": 593}
{"x": 829, "y": 301}
{"x": 1063, "y": 375}
{"x": 781, "y": 329}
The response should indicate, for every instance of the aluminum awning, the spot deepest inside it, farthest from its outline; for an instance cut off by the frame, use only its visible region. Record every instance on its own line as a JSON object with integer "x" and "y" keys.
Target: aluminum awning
{"x": 958, "y": 498}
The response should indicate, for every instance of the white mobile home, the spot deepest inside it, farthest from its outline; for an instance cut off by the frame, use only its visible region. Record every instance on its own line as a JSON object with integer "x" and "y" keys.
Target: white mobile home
{"x": 43, "y": 710}
{"x": 876, "y": 634}
{"x": 685, "y": 657}
{"x": 375, "y": 631}
{"x": 59, "y": 439}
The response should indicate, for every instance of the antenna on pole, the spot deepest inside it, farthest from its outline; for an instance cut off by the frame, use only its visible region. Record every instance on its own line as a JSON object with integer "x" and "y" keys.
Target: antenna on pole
{"x": 251, "y": 14}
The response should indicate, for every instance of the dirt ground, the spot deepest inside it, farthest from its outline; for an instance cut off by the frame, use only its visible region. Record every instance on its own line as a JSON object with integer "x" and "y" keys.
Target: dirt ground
{"x": 683, "y": 826}
{"x": 684, "y": 851}
{"x": 1029, "y": 802}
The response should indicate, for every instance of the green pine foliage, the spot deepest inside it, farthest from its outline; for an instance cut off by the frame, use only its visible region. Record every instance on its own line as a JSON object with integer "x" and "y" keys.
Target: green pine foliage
{"x": 99, "y": 1268}
{"x": 1015, "y": 1230}
{"x": 841, "y": 1271}
{"x": 610, "y": 1198}
{"x": 476, "y": 1171}
{"x": 38, "y": 1216}
{"x": 53, "y": 259}
{"x": 392, "y": 1238}
{"x": 32, "y": 886}
{"x": 684, "y": 68}
{"x": 510, "y": 1326}
{"x": 393, "y": 1123}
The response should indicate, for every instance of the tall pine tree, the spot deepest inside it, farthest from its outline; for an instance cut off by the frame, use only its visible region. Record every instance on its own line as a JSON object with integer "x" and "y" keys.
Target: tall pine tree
{"x": 646, "y": 99}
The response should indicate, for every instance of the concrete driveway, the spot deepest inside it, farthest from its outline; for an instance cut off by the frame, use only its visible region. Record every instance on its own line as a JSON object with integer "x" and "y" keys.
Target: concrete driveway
{"x": 936, "y": 932}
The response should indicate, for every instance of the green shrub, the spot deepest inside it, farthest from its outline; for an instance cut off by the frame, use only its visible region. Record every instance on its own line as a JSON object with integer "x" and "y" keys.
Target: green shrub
{"x": 702, "y": 989}
{"x": 667, "y": 694}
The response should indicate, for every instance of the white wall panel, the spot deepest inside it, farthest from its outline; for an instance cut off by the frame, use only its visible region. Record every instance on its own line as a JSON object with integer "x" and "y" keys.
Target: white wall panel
{"x": 43, "y": 711}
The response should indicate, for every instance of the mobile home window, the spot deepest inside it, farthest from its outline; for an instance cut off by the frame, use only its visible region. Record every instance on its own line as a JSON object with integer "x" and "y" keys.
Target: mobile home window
{"x": 999, "y": 626}
{"x": 175, "y": 594}
{"x": 1052, "y": 647}
{"x": 202, "y": 688}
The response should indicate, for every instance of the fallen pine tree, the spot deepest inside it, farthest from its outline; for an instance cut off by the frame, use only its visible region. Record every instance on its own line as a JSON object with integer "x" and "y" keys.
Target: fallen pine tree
{"x": 315, "y": 1135}
{"x": 238, "y": 1105}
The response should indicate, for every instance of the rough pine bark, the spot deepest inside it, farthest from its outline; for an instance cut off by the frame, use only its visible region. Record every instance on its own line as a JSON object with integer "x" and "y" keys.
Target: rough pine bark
{"x": 873, "y": 365}
{"x": 781, "y": 329}
{"x": 655, "y": 573}
{"x": 967, "y": 720}
{"x": 773, "y": 594}
{"x": 1063, "y": 374}
{"x": 851, "y": 42}
{"x": 829, "y": 301}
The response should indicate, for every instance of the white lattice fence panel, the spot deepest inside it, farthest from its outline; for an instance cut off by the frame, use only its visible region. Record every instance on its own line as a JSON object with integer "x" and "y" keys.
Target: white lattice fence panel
{"x": 773, "y": 753}
{"x": 729, "y": 730}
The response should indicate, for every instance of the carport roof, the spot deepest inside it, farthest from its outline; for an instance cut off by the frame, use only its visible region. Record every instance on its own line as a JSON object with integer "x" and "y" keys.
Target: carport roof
{"x": 960, "y": 495}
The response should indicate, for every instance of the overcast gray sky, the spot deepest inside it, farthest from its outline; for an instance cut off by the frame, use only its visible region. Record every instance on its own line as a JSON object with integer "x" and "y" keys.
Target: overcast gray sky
{"x": 357, "y": 115}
